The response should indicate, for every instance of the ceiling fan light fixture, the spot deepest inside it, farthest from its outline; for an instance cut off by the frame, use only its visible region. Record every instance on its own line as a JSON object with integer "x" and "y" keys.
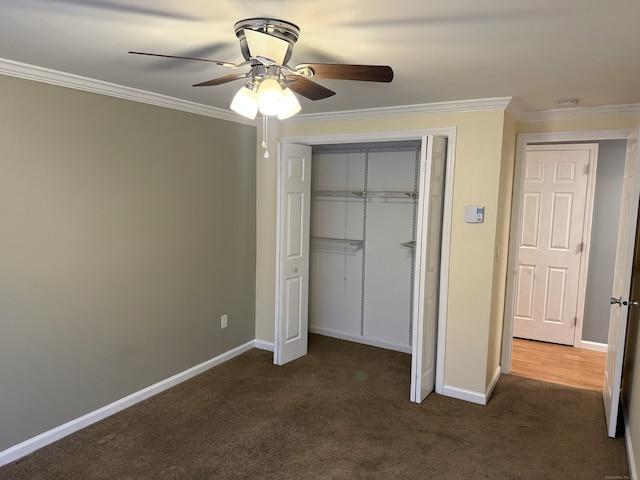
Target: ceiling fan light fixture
{"x": 269, "y": 97}
{"x": 289, "y": 105}
{"x": 245, "y": 103}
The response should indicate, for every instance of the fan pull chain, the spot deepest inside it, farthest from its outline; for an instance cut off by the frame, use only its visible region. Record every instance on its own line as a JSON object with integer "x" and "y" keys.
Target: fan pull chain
{"x": 264, "y": 136}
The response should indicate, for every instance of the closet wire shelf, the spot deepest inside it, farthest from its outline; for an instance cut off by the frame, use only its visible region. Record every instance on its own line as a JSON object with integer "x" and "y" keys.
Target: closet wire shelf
{"x": 347, "y": 241}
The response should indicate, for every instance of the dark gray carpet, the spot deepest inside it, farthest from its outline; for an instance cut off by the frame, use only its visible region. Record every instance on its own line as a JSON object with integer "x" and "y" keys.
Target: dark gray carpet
{"x": 342, "y": 412}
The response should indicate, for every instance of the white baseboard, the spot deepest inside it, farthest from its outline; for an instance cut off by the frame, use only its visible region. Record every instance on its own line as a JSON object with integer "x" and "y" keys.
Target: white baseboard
{"x": 493, "y": 383}
{"x": 470, "y": 395}
{"x": 359, "y": 339}
{"x": 12, "y": 454}
{"x": 263, "y": 345}
{"x": 467, "y": 395}
{"x": 587, "y": 345}
{"x": 633, "y": 473}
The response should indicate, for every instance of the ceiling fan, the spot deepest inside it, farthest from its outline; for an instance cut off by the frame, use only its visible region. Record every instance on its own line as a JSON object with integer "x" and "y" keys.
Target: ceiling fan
{"x": 266, "y": 46}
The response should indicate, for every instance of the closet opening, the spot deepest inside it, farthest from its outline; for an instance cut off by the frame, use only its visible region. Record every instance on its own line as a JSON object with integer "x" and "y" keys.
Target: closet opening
{"x": 364, "y": 202}
{"x": 363, "y": 227}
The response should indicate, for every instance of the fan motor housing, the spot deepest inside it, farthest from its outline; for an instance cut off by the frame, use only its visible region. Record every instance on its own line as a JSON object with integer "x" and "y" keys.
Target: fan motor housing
{"x": 287, "y": 31}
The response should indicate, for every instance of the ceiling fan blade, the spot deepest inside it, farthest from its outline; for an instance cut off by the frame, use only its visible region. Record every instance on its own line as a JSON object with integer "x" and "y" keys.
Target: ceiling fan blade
{"x": 342, "y": 71}
{"x": 307, "y": 88}
{"x": 221, "y": 80}
{"x": 217, "y": 62}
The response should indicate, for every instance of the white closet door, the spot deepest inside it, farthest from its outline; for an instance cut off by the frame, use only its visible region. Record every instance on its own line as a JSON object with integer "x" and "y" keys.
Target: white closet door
{"x": 423, "y": 359}
{"x": 292, "y": 282}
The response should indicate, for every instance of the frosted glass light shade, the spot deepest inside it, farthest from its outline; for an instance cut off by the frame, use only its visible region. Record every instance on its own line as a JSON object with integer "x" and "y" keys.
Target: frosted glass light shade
{"x": 245, "y": 103}
{"x": 289, "y": 105}
{"x": 269, "y": 97}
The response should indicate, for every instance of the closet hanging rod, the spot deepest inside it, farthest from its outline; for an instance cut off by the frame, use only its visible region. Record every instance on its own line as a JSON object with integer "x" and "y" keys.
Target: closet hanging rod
{"x": 338, "y": 193}
{"x": 391, "y": 193}
{"x": 369, "y": 193}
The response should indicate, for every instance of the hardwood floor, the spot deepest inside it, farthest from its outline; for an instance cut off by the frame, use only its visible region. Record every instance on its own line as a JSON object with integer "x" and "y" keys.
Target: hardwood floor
{"x": 558, "y": 364}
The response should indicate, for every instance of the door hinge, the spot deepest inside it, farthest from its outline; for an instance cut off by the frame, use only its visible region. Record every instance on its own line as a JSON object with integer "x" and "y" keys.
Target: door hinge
{"x": 588, "y": 169}
{"x": 575, "y": 321}
{"x": 580, "y": 247}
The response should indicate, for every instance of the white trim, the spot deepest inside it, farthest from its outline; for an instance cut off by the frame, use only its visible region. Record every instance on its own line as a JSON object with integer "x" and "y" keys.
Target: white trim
{"x": 492, "y": 384}
{"x": 12, "y": 454}
{"x": 77, "y": 82}
{"x": 419, "y": 287}
{"x": 278, "y": 290}
{"x": 263, "y": 345}
{"x": 586, "y": 240}
{"x": 463, "y": 394}
{"x": 445, "y": 259}
{"x": 62, "y": 79}
{"x": 359, "y": 339}
{"x": 500, "y": 103}
{"x": 633, "y": 473}
{"x": 386, "y": 136}
{"x": 470, "y": 395}
{"x": 523, "y": 140}
{"x": 588, "y": 345}
{"x": 368, "y": 137}
{"x": 579, "y": 112}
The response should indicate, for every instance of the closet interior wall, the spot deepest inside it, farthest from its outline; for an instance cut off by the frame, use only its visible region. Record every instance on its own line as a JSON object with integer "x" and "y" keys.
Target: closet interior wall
{"x": 363, "y": 227}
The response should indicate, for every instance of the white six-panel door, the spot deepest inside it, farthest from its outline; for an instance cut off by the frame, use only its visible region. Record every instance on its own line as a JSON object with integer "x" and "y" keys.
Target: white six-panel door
{"x": 551, "y": 241}
{"x": 292, "y": 289}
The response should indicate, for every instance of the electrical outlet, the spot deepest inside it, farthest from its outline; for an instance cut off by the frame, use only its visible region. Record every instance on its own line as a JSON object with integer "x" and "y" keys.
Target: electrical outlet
{"x": 223, "y": 321}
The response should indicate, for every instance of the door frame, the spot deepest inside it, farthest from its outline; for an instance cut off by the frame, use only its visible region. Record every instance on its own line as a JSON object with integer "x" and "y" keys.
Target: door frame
{"x": 523, "y": 140}
{"x": 420, "y": 135}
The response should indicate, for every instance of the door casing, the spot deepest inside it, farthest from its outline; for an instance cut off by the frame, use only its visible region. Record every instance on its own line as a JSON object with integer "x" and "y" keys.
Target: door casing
{"x": 421, "y": 135}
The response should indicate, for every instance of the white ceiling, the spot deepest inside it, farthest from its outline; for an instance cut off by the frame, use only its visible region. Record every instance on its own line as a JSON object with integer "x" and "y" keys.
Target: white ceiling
{"x": 537, "y": 51}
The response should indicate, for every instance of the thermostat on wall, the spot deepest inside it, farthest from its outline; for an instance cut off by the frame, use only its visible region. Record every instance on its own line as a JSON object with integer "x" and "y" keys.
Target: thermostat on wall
{"x": 473, "y": 214}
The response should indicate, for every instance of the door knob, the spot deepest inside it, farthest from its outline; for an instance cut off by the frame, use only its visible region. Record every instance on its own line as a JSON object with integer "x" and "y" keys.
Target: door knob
{"x": 621, "y": 302}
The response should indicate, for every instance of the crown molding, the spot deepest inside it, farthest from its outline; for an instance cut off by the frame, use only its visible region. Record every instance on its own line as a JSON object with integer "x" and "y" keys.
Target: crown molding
{"x": 579, "y": 112}
{"x": 500, "y": 103}
{"x": 53, "y": 77}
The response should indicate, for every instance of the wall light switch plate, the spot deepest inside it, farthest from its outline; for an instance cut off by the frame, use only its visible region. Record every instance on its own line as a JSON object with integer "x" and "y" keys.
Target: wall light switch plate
{"x": 473, "y": 214}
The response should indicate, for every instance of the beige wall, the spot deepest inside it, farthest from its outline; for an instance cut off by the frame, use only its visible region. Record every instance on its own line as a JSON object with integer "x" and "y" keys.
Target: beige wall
{"x": 477, "y": 181}
{"x": 501, "y": 249}
{"x": 127, "y": 230}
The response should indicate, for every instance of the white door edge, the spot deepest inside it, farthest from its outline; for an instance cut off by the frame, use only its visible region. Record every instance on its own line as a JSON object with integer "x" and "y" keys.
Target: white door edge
{"x": 387, "y": 136}
{"x": 278, "y": 302}
{"x": 418, "y": 307}
{"x": 523, "y": 139}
